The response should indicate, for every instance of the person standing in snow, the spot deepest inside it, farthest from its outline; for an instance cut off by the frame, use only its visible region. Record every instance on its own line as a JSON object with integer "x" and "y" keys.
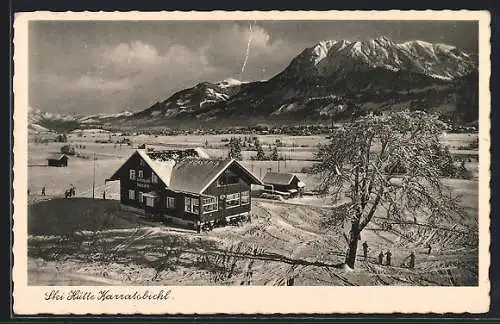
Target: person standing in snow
{"x": 388, "y": 256}
{"x": 411, "y": 263}
{"x": 380, "y": 257}
{"x": 43, "y": 191}
{"x": 429, "y": 247}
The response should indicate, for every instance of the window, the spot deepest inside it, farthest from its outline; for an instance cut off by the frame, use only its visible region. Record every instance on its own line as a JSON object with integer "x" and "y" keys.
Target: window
{"x": 154, "y": 178}
{"x": 191, "y": 205}
{"x": 170, "y": 202}
{"x": 132, "y": 174}
{"x": 209, "y": 204}
{"x": 187, "y": 204}
{"x": 141, "y": 174}
{"x": 139, "y": 197}
{"x": 233, "y": 200}
{"x": 245, "y": 197}
{"x": 195, "y": 205}
{"x": 150, "y": 201}
{"x": 131, "y": 194}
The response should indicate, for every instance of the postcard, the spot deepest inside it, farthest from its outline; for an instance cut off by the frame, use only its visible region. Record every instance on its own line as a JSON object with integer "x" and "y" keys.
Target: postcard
{"x": 257, "y": 162}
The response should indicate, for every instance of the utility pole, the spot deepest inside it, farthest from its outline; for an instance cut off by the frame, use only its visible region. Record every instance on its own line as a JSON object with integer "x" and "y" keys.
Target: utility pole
{"x": 93, "y": 176}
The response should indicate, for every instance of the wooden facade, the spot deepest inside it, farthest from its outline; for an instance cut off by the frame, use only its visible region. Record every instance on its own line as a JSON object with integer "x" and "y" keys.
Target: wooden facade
{"x": 191, "y": 192}
{"x": 228, "y": 193}
{"x": 58, "y": 160}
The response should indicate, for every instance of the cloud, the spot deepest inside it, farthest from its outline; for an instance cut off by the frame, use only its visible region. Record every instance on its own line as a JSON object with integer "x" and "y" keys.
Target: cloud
{"x": 135, "y": 74}
{"x": 228, "y": 48}
{"x": 88, "y": 82}
{"x": 135, "y": 52}
{"x": 60, "y": 83}
{"x": 138, "y": 55}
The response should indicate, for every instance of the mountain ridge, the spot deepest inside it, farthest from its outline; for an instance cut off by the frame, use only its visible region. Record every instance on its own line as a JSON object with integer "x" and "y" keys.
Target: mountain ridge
{"x": 334, "y": 79}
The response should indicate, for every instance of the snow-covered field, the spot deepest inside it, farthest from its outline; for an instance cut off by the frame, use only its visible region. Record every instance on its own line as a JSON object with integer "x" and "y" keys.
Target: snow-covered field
{"x": 291, "y": 239}
{"x": 280, "y": 242}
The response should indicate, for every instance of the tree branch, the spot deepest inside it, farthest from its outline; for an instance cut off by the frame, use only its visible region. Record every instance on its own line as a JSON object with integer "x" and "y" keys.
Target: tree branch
{"x": 370, "y": 214}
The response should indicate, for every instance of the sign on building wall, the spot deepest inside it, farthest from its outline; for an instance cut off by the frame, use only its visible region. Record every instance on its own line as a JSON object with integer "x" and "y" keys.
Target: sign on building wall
{"x": 143, "y": 183}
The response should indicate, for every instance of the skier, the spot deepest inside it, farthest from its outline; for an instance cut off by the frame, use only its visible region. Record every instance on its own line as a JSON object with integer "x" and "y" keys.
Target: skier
{"x": 380, "y": 257}
{"x": 388, "y": 256}
{"x": 365, "y": 250}
{"x": 411, "y": 264}
{"x": 43, "y": 191}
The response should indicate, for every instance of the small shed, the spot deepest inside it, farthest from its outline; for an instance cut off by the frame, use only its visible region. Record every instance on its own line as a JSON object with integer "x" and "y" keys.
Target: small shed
{"x": 284, "y": 182}
{"x": 58, "y": 160}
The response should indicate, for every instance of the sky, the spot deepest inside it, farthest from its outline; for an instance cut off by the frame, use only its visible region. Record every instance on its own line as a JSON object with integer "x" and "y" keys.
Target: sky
{"x": 113, "y": 66}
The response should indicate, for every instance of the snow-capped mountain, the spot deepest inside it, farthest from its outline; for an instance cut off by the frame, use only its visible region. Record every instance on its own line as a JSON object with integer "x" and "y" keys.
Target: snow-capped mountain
{"x": 336, "y": 78}
{"x": 37, "y": 116}
{"x": 103, "y": 117}
{"x": 193, "y": 100}
{"x": 342, "y": 57}
{"x": 229, "y": 82}
{"x": 43, "y": 121}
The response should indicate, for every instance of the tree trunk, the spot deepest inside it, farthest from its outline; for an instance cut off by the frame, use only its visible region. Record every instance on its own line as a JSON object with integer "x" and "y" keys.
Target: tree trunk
{"x": 352, "y": 248}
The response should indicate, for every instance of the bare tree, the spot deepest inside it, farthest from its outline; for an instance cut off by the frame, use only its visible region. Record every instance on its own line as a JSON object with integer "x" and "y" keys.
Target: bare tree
{"x": 363, "y": 161}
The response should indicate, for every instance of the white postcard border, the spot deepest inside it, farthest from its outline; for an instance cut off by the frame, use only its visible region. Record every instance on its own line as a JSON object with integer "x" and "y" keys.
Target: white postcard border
{"x": 250, "y": 300}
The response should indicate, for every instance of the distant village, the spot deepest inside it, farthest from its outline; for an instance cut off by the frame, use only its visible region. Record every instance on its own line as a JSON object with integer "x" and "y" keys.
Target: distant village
{"x": 289, "y": 130}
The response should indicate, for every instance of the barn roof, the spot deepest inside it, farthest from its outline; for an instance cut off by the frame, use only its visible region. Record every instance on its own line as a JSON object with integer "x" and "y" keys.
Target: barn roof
{"x": 278, "y": 178}
{"x": 56, "y": 156}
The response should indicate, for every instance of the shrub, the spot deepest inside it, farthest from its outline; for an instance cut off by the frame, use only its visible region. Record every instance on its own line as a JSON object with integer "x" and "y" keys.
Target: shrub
{"x": 306, "y": 170}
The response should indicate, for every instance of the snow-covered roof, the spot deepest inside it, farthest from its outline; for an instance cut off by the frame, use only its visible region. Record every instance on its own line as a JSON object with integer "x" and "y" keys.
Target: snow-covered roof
{"x": 163, "y": 169}
{"x": 190, "y": 174}
{"x": 278, "y": 178}
{"x": 56, "y": 156}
